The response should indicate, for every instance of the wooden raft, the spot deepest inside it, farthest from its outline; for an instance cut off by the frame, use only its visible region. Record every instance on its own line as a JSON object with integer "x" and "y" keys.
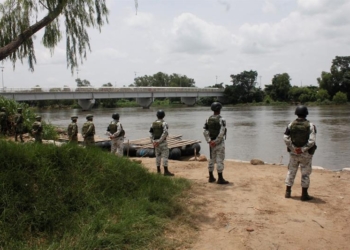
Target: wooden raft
{"x": 174, "y": 141}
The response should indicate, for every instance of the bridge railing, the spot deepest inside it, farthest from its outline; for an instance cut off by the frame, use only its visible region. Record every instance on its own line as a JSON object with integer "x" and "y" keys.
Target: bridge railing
{"x": 111, "y": 89}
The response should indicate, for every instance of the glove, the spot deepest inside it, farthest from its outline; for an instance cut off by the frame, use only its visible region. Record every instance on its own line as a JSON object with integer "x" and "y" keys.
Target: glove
{"x": 298, "y": 151}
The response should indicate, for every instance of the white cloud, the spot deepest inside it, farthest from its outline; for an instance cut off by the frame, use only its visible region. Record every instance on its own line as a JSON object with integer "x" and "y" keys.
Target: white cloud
{"x": 193, "y": 35}
{"x": 269, "y": 7}
{"x": 226, "y": 4}
{"x": 110, "y": 53}
{"x": 142, "y": 20}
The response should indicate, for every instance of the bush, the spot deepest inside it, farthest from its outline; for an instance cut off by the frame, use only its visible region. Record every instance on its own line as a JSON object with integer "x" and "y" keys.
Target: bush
{"x": 322, "y": 95}
{"x": 340, "y": 98}
{"x": 69, "y": 197}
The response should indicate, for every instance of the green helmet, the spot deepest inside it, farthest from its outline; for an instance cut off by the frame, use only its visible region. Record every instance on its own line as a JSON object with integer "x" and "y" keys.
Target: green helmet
{"x": 216, "y": 106}
{"x": 89, "y": 116}
{"x": 38, "y": 118}
{"x": 301, "y": 111}
{"x": 160, "y": 114}
{"x": 74, "y": 117}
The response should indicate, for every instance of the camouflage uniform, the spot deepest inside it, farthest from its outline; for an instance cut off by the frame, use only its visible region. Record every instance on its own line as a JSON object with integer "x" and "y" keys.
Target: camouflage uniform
{"x": 3, "y": 121}
{"x": 116, "y": 132}
{"x": 19, "y": 125}
{"x": 37, "y": 130}
{"x": 162, "y": 151}
{"x": 88, "y": 133}
{"x": 217, "y": 154}
{"x": 73, "y": 132}
{"x": 303, "y": 159}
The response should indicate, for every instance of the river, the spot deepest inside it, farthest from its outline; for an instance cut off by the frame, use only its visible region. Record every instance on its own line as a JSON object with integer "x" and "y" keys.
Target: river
{"x": 253, "y": 131}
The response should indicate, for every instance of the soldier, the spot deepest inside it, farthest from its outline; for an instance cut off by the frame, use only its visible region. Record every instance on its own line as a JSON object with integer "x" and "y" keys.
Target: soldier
{"x": 3, "y": 120}
{"x": 214, "y": 132}
{"x": 116, "y": 133}
{"x": 158, "y": 134}
{"x": 88, "y": 131}
{"x": 19, "y": 124}
{"x": 300, "y": 138}
{"x": 37, "y": 129}
{"x": 73, "y": 129}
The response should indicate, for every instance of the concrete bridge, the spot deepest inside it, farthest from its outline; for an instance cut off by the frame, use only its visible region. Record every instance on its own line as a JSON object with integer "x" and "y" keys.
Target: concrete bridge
{"x": 86, "y": 95}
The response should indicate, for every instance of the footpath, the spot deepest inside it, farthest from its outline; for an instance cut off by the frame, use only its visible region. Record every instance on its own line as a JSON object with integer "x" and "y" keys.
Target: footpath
{"x": 252, "y": 213}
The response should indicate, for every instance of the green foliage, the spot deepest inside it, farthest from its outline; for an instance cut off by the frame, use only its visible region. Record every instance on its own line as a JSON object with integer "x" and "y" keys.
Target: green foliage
{"x": 340, "y": 98}
{"x": 69, "y": 197}
{"x": 302, "y": 94}
{"x": 338, "y": 79}
{"x": 268, "y": 99}
{"x": 159, "y": 102}
{"x": 82, "y": 83}
{"x": 78, "y": 16}
{"x": 322, "y": 95}
{"x": 243, "y": 87}
{"x": 161, "y": 79}
{"x": 279, "y": 88}
{"x": 127, "y": 103}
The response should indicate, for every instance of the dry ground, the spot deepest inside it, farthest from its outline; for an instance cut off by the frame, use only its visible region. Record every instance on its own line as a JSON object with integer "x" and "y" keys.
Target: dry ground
{"x": 252, "y": 213}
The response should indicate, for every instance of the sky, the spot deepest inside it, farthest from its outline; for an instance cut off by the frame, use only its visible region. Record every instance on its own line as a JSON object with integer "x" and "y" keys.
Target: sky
{"x": 207, "y": 40}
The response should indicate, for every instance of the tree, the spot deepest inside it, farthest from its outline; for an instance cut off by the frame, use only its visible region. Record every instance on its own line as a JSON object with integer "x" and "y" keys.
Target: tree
{"x": 82, "y": 83}
{"x": 161, "y": 79}
{"x": 107, "y": 85}
{"x": 322, "y": 95}
{"x": 338, "y": 79}
{"x": 279, "y": 88}
{"x": 19, "y": 22}
{"x": 243, "y": 87}
{"x": 340, "y": 98}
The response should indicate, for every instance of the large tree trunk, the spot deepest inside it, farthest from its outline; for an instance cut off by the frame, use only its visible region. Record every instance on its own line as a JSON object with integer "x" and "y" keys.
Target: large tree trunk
{"x": 19, "y": 40}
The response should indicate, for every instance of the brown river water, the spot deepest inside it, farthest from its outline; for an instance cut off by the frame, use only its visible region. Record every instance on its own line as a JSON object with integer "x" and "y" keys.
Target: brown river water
{"x": 253, "y": 132}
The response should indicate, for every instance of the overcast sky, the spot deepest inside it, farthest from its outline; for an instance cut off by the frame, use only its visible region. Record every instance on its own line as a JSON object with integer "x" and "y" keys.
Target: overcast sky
{"x": 207, "y": 40}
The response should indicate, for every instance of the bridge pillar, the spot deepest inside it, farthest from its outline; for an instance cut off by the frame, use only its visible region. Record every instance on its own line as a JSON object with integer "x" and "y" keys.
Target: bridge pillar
{"x": 86, "y": 104}
{"x": 144, "y": 102}
{"x": 189, "y": 101}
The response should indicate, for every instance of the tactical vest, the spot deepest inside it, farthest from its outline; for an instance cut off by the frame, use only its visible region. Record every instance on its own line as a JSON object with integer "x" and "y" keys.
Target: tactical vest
{"x": 37, "y": 126}
{"x": 85, "y": 129}
{"x": 19, "y": 119}
{"x": 113, "y": 127}
{"x": 214, "y": 126}
{"x": 300, "y": 132}
{"x": 70, "y": 129}
{"x": 157, "y": 129}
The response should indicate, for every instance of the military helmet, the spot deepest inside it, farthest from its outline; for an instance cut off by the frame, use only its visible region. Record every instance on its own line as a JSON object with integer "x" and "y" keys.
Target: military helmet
{"x": 74, "y": 117}
{"x": 160, "y": 114}
{"x": 89, "y": 116}
{"x": 115, "y": 116}
{"x": 38, "y": 117}
{"x": 216, "y": 106}
{"x": 301, "y": 111}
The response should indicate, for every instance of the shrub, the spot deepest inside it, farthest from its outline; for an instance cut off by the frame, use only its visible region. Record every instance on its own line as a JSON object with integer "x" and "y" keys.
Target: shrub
{"x": 340, "y": 98}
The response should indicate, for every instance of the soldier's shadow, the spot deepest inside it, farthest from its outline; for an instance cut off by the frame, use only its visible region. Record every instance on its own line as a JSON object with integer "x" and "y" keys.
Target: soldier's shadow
{"x": 315, "y": 200}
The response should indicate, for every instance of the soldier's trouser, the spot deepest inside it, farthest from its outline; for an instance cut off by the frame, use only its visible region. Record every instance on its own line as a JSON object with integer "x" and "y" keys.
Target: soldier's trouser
{"x": 305, "y": 161}
{"x": 38, "y": 138}
{"x": 117, "y": 146}
{"x": 73, "y": 139}
{"x": 89, "y": 141}
{"x": 162, "y": 151}
{"x": 19, "y": 131}
{"x": 217, "y": 155}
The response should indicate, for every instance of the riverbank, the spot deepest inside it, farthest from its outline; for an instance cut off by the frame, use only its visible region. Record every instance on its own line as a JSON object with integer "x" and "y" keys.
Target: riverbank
{"x": 252, "y": 213}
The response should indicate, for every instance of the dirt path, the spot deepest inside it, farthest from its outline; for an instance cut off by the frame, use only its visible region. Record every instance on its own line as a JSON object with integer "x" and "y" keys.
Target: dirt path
{"x": 252, "y": 213}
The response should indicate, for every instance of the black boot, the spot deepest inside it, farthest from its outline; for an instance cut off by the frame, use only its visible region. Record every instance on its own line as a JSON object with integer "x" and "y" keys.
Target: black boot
{"x": 221, "y": 179}
{"x": 211, "y": 177}
{"x": 305, "y": 196}
{"x": 167, "y": 173}
{"x": 158, "y": 169}
{"x": 288, "y": 192}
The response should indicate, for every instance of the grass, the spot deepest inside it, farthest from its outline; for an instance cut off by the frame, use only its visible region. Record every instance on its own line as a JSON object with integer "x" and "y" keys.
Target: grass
{"x": 74, "y": 198}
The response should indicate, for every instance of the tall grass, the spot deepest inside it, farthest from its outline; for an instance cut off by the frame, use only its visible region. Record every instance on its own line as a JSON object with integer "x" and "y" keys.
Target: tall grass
{"x": 74, "y": 198}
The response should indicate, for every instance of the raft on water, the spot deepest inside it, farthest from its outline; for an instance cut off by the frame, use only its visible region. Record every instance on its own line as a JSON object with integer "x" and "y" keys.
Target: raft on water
{"x": 144, "y": 147}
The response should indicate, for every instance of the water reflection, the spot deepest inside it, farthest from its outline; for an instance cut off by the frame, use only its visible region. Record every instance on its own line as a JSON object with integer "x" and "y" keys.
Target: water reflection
{"x": 253, "y": 132}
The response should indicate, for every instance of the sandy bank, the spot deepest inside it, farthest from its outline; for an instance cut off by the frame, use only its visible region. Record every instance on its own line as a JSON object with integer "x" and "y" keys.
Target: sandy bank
{"x": 252, "y": 213}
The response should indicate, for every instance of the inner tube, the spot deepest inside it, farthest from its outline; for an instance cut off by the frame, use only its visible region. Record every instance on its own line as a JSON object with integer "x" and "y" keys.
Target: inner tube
{"x": 175, "y": 154}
